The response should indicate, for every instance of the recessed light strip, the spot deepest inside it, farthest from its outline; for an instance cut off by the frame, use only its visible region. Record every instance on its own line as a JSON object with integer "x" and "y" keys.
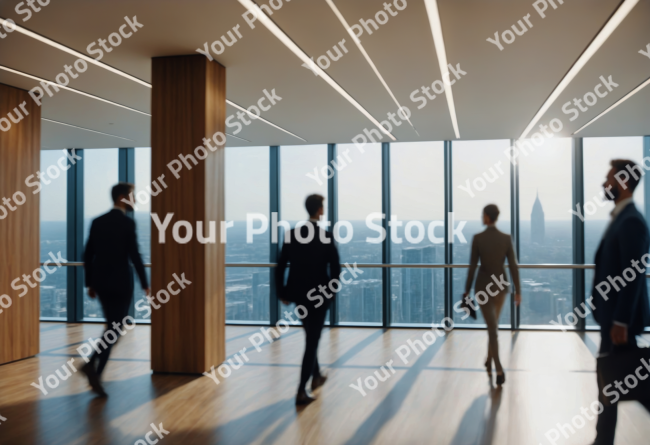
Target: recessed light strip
{"x": 237, "y": 137}
{"x": 365, "y": 54}
{"x": 255, "y": 116}
{"x": 286, "y": 40}
{"x": 20, "y": 73}
{"x": 616, "y": 104}
{"x": 105, "y": 66}
{"x": 68, "y": 50}
{"x": 439, "y": 42}
{"x": 607, "y": 30}
{"x": 85, "y": 129}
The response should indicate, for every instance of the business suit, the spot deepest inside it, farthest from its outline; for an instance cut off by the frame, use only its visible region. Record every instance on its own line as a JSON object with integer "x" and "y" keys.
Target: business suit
{"x": 626, "y": 239}
{"x": 111, "y": 244}
{"x": 313, "y": 264}
{"x": 492, "y": 247}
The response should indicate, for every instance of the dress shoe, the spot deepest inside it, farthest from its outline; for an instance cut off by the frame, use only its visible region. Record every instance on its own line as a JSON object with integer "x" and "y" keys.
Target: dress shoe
{"x": 317, "y": 382}
{"x": 501, "y": 379}
{"x": 303, "y": 398}
{"x": 93, "y": 379}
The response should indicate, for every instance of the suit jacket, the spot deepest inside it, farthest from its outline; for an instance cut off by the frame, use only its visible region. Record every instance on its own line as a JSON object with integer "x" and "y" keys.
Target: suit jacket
{"x": 492, "y": 247}
{"x": 625, "y": 240}
{"x": 309, "y": 265}
{"x": 111, "y": 243}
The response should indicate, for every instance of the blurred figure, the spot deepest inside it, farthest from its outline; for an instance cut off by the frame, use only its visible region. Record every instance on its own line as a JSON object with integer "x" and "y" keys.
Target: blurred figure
{"x": 308, "y": 275}
{"x": 492, "y": 247}
{"x": 625, "y": 313}
{"x": 111, "y": 244}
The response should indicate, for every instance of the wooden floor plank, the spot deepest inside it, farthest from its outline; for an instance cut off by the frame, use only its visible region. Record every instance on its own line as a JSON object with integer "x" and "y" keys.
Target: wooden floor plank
{"x": 441, "y": 395}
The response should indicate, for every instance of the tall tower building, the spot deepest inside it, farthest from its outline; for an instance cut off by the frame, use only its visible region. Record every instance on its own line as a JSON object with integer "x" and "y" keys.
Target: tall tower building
{"x": 537, "y": 226}
{"x": 418, "y": 285}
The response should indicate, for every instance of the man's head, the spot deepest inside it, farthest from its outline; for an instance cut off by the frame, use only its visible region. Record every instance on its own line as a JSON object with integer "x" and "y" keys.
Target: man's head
{"x": 120, "y": 194}
{"x": 622, "y": 178}
{"x": 314, "y": 206}
{"x": 490, "y": 214}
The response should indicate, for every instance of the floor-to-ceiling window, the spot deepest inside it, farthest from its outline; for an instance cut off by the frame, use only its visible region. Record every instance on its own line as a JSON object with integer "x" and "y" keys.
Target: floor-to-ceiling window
{"x": 597, "y": 153}
{"x": 303, "y": 172}
{"x": 101, "y": 173}
{"x": 247, "y": 199}
{"x": 53, "y": 201}
{"x": 480, "y": 176}
{"x": 360, "y": 197}
{"x": 546, "y": 232}
{"x": 417, "y": 201}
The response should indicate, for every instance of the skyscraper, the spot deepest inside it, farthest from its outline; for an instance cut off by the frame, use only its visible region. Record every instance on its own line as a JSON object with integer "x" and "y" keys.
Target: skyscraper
{"x": 418, "y": 285}
{"x": 537, "y": 226}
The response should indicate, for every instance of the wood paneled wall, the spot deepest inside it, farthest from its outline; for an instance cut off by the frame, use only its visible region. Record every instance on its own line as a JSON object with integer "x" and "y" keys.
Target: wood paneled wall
{"x": 188, "y": 105}
{"x": 20, "y": 147}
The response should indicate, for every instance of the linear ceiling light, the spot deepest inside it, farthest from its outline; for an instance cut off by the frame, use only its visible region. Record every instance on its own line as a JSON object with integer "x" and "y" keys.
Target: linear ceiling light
{"x": 237, "y": 137}
{"x": 439, "y": 42}
{"x": 284, "y": 38}
{"x": 64, "y": 48}
{"x": 365, "y": 54}
{"x": 607, "y": 30}
{"x": 20, "y": 73}
{"x": 616, "y": 104}
{"x": 106, "y": 67}
{"x": 85, "y": 129}
{"x": 255, "y": 116}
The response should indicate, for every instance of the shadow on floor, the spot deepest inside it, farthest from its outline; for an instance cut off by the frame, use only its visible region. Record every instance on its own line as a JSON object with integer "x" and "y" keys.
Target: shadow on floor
{"x": 65, "y": 419}
{"x": 477, "y": 426}
{"x": 392, "y": 403}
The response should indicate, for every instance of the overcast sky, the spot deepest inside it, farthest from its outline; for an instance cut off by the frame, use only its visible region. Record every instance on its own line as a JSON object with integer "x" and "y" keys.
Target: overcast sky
{"x": 417, "y": 187}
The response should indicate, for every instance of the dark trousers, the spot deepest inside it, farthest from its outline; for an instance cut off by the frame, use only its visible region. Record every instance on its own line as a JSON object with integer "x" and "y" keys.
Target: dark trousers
{"x": 606, "y": 425}
{"x": 115, "y": 309}
{"x": 313, "y": 324}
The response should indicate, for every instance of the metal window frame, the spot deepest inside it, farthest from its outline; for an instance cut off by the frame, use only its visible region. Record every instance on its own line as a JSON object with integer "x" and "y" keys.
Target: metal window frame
{"x": 75, "y": 232}
{"x": 274, "y": 248}
{"x": 333, "y": 215}
{"x": 515, "y": 318}
{"x": 386, "y": 314}
{"x": 578, "y": 226}
{"x": 646, "y": 180}
{"x": 449, "y": 208}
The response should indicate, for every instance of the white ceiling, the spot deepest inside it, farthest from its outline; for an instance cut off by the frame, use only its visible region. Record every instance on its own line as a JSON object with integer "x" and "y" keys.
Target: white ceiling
{"x": 497, "y": 98}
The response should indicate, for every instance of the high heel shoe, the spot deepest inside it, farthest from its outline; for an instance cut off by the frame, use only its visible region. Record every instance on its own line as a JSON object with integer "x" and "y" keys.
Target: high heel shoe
{"x": 501, "y": 379}
{"x": 488, "y": 367}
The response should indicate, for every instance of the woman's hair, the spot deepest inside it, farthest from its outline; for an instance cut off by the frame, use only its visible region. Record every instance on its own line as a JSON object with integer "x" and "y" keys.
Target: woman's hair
{"x": 492, "y": 212}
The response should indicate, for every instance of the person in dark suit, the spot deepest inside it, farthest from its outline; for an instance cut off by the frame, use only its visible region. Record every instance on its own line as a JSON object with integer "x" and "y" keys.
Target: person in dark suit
{"x": 623, "y": 312}
{"x": 310, "y": 255}
{"x": 111, "y": 244}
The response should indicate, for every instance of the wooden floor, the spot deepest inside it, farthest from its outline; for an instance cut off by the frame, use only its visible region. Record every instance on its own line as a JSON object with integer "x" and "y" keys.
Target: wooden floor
{"x": 441, "y": 397}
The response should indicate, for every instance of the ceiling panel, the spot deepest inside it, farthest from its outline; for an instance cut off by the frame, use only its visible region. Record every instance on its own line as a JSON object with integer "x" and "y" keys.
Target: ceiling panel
{"x": 496, "y": 99}
{"x": 619, "y": 58}
{"x": 504, "y": 89}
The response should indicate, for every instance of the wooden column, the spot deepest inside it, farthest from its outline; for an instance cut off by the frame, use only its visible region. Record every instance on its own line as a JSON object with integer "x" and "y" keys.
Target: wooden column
{"x": 20, "y": 145}
{"x": 188, "y": 105}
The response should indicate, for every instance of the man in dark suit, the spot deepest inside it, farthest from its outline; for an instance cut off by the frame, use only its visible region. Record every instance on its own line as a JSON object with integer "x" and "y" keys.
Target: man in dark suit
{"x": 111, "y": 244}
{"x": 623, "y": 312}
{"x": 310, "y": 250}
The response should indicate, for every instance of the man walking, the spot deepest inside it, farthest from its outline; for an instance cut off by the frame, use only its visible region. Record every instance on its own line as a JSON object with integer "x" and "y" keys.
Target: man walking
{"x": 624, "y": 312}
{"x": 310, "y": 250}
{"x": 111, "y": 244}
